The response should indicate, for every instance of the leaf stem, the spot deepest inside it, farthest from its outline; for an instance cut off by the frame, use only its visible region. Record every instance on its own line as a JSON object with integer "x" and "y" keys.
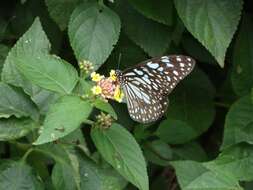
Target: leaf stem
{"x": 26, "y": 154}
{"x": 221, "y": 104}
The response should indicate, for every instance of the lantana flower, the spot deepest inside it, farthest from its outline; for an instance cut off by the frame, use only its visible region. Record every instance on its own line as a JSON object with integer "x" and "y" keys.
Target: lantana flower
{"x": 107, "y": 87}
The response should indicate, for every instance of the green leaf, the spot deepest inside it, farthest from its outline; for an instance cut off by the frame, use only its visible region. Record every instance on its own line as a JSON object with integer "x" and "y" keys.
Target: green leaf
{"x": 158, "y": 152}
{"x": 63, "y": 117}
{"x": 238, "y": 123}
{"x": 62, "y": 177}
{"x": 49, "y": 72}
{"x": 60, "y": 11}
{"x": 106, "y": 107}
{"x": 189, "y": 151}
{"x": 236, "y": 158}
{"x": 213, "y": 23}
{"x": 194, "y": 175}
{"x": 19, "y": 176}
{"x": 14, "y": 128}
{"x": 190, "y": 99}
{"x": 32, "y": 43}
{"x": 160, "y": 11}
{"x": 14, "y": 101}
{"x": 93, "y": 31}
{"x": 3, "y": 27}
{"x": 242, "y": 72}
{"x": 119, "y": 148}
{"x": 140, "y": 29}
{"x": 3, "y": 53}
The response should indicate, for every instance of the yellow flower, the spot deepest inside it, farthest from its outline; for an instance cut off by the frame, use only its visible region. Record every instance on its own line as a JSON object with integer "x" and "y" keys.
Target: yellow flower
{"x": 118, "y": 94}
{"x": 96, "y": 77}
{"x": 96, "y": 90}
{"x": 113, "y": 75}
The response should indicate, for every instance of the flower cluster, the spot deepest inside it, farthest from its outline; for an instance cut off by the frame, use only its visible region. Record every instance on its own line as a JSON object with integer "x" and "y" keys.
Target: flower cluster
{"x": 86, "y": 66}
{"x": 107, "y": 87}
{"x": 104, "y": 120}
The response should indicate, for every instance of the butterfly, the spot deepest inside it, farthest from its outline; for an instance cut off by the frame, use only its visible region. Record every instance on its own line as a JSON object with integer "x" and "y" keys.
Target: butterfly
{"x": 146, "y": 85}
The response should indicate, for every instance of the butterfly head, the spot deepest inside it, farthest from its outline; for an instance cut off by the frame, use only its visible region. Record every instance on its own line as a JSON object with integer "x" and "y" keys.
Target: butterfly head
{"x": 119, "y": 76}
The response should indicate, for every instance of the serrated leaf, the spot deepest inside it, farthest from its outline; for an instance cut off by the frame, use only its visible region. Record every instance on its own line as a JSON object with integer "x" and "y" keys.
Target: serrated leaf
{"x": 19, "y": 176}
{"x": 105, "y": 106}
{"x": 48, "y": 72}
{"x": 140, "y": 29}
{"x": 189, "y": 99}
{"x": 93, "y": 31}
{"x": 213, "y": 23}
{"x": 242, "y": 72}
{"x": 160, "y": 11}
{"x": 60, "y": 11}
{"x": 238, "y": 123}
{"x": 63, "y": 117}
{"x": 14, "y": 128}
{"x": 32, "y": 43}
{"x": 14, "y": 101}
{"x": 119, "y": 148}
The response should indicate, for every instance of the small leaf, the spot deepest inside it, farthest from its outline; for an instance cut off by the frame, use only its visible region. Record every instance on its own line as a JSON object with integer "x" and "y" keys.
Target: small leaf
{"x": 93, "y": 31}
{"x": 60, "y": 11}
{"x": 14, "y": 101}
{"x": 238, "y": 123}
{"x": 106, "y": 107}
{"x": 213, "y": 23}
{"x": 19, "y": 176}
{"x": 63, "y": 117}
{"x": 140, "y": 29}
{"x": 160, "y": 11}
{"x": 158, "y": 152}
{"x": 49, "y": 72}
{"x": 14, "y": 128}
{"x": 242, "y": 72}
{"x": 119, "y": 148}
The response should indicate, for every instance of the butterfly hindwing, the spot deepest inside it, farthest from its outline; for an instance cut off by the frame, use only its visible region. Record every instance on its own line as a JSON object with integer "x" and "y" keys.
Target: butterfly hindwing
{"x": 147, "y": 85}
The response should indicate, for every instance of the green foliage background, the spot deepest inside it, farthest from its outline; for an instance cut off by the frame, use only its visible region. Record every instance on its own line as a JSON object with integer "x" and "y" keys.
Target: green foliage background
{"x": 47, "y": 114}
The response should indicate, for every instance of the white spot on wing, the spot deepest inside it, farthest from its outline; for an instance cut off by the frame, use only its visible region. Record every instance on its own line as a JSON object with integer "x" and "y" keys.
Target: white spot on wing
{"x": 152, "y": 65}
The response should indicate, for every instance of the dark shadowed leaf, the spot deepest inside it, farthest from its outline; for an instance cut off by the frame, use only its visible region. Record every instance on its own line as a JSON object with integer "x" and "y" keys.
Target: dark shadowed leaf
{"x": 13, "y": 128}
{"x": 241, "y": 76}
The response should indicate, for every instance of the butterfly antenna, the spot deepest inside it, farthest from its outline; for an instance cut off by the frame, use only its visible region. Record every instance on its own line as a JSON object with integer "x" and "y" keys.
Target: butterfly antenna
{"x": 119, "y": 60}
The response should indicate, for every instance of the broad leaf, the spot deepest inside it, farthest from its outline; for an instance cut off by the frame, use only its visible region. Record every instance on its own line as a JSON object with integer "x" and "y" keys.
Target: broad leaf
{"x": 93, "y": 32}
{"x": 13, "y": 128}
{"x": 238, "y": 123}
{"x": 49, "y": 72}
{"x": 194, "y": 176}
{"x": 60, "y": 11}
{"x": 241, "y": 76}
{"x": 191, "y": 109}
{"x": 32, "y": 43}
{"x": 152, "y": 37}
{"x": 119, "y": 148}
{"x": 160, "y": 11}
{"x": 13, "y": 101}
{"x": 63, "y": 117}
{"x": 213, "y": 23}
{"x": 19, "y": 176}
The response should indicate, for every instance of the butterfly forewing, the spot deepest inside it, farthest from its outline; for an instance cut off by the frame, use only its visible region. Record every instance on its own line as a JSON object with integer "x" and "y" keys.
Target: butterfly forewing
{"x": 147, "y": 85}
